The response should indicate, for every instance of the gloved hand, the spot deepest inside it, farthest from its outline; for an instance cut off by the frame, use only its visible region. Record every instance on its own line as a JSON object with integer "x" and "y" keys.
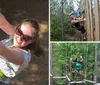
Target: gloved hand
{"x": 71, "y": 59}
{"x": 80, "y": 56}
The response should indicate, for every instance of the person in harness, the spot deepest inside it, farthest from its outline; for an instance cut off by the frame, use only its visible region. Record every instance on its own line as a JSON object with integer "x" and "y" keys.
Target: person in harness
{"x": 76, "y": 18}
{"x": 77, "y": 63}
{"x": 76, "y": 22}
{"x": 16, "y": 55}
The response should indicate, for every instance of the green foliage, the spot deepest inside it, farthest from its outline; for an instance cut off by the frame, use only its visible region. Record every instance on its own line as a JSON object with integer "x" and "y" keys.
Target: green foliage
{"x": 62, "y": 52}
{"x": 56, "y": 32}
{"x": 55, "y": 20}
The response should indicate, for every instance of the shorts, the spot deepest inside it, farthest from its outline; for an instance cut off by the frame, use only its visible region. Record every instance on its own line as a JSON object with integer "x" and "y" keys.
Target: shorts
{"x": 80, "y": 28}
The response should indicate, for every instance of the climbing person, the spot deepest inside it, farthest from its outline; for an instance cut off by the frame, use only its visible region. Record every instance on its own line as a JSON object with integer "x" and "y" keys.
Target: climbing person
{"x": 76, "y": 18}
{"x": 76, "y": 23}
{"x": 79, "y": 24}
{"x": 16, "y": 53}
{"x": 77, "y": 64}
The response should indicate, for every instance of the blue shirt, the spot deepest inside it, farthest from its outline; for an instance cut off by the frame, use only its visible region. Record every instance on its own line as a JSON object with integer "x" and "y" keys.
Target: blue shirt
{"x": 75, "y": 13}
{"x": 78, "y": 65}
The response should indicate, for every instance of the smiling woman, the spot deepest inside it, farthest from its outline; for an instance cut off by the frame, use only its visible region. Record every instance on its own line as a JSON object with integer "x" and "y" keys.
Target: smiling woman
{"x": 25, "y": 39}
{"x": 26, "y": 33}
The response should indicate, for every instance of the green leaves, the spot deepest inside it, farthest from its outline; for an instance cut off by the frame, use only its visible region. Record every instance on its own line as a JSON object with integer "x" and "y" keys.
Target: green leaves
{"x": 62, "y": 52}
{"x": 55, "y": 20}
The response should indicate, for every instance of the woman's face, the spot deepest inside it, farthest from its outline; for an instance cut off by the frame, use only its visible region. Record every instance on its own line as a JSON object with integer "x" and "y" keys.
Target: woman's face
{"x": 23, "y": 36}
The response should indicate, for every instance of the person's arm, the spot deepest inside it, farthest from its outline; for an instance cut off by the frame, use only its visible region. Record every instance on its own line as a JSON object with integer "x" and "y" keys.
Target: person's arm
{"x": 70, "y": 13}
{"x": 81, "y": 60}
{"x": 6, "y": 26}
{"x": 13, "y": 55}
{"x": 72, "y": 61}
{"x": 74, "y": 21}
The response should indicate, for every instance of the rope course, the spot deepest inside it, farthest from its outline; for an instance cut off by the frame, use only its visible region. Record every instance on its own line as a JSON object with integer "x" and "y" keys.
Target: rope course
{"x": 72, "y": 82}
{"x": 95, "y": 82}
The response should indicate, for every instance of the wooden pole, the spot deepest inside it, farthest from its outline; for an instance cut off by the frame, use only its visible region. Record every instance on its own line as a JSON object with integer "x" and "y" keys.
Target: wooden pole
{"x": 90, "y": 81}
{"x": 95, "y": 67}
{"x": 51, "y": 79}
{"x": 62, "y": 19}
{"x": 85, "y": 62}
{"x": 76, "y": 82}
{"x": 88, "y": 20}
{"x": 91, "y": 20}
{"x": 97, "y": 20}
{"x": 59, "y": 77}
{"x": 89, "y": 23}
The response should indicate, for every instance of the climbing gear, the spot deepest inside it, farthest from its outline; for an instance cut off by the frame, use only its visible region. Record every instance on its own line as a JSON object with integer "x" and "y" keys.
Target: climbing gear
{"x": 2, "y": 76}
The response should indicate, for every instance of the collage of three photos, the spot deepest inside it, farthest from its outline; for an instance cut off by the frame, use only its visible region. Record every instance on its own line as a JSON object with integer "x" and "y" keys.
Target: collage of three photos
{"x": 74, "y": 47}
{"x": 50, "y": 42}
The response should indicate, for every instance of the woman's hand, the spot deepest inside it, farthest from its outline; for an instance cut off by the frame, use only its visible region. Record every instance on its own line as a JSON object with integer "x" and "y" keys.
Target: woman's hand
{"x": 81, "y": 59}
{"x": 6, "y": 26}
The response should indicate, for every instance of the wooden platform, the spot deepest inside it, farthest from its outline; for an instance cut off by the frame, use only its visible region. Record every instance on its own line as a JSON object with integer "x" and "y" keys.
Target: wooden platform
{"x": 72, "y": 82}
